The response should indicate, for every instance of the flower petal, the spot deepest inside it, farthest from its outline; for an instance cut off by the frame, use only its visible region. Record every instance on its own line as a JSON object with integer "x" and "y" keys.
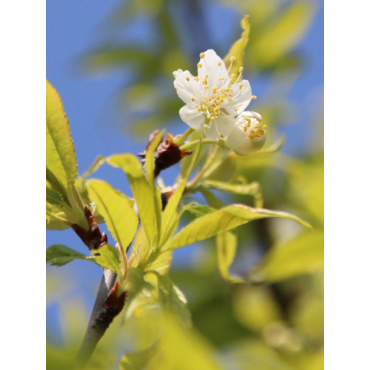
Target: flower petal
{"x": 192, "y": 117}
{"x": 186, "y": 87}
{"x": 236, "y": 139}
{"x": 212, "y": 132}
{"x": 242, "y": 96}
{"x": 213, "y": 67}
{"x": 225, "y": 125}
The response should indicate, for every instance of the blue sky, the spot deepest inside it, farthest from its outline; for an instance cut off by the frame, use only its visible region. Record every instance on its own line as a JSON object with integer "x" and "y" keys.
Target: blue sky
{"x": 72, "y": 30}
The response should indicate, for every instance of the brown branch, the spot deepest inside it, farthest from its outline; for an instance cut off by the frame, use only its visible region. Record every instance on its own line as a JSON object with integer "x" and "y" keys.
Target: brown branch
{"x": 100, "y": 319}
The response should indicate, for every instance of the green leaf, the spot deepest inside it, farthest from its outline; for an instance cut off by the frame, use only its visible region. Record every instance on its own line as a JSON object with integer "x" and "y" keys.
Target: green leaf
{"x": 98, "y": 162}
{"x": 54, "y": 183}
{"x": 223, "y": 220}
{"x": 170, "y": 210}
{"x": 200, "y": 210}
{"x": 55, "y": 218}
{"x": 142, "y": 191}
{"x": 116, "y": 210}
{"x": 173, "y": 300}
{"x": 54, "y": 198}
{"x": 150, "y": 168}
{"x": 238, "y": 48}
{"x": 281, "y": 36}
{"x": 212, "y": 200}
{"x": 226, "y": 244}
{"x": 182, "y": 349}
{"x": 243, "y": 189}
{"x": 60, "y": 153}
{"x": 300, "y": 255}
{"x": 59, "y": 255}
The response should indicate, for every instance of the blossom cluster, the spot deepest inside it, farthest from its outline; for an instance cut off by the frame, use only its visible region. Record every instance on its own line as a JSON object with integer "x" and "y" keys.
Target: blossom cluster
{"x": 215, "y": 102}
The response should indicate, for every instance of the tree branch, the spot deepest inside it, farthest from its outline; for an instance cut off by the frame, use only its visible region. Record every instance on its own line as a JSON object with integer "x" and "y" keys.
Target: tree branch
{"x": 99, "y": 320}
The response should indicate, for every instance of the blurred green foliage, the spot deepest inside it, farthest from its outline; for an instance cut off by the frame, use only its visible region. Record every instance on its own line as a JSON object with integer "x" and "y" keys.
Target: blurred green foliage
{"x": 268, "y": 314}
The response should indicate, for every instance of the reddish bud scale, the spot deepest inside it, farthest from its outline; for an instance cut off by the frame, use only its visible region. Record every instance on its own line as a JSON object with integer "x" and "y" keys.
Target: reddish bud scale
{"x": 166, "y": 154}
{"x": 92, "y": 237}
{"x": 112, "y": 306}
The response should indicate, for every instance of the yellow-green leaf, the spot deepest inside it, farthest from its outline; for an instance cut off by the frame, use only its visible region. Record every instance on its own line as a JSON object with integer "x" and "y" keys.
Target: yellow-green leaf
{"x": 142, "y": 191}
{"x": 60, "y": 153}
{"x": 182, "y": 350}
{"x": 59, "y": 255}
{"x": 150, "y": 168}
{"x": 116, "y": 210}
{"x": 238, "y": 48}
{"x": 170, "y": 210}
{"x": 300, "y": 255}
{"x": 284, "y": 34}
{"x": 226, "y": 244}
{"x": 222, "y": 220}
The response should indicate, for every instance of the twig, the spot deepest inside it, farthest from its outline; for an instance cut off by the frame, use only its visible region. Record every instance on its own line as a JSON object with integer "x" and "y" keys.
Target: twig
{"x": 96, "y": 328}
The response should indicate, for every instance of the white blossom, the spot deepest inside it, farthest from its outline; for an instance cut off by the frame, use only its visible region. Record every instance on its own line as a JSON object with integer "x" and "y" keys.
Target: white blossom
{"x": 213, "y": 99}
{"x": 249, "y": 135}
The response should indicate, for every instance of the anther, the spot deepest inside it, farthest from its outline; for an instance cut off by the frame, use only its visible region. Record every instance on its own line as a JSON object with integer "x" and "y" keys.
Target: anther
{"x": 241, "y": 69}
{"x": 232, "y": 59}
{"x": 199, "y": 65}
{"x": 240, "y": 87}
{"x": 222, "y": 90}
{"x": 187, "y": 79}
{"x": 192, "y": 99}
{"x": 221, "y": 135}
{"x": 196, "y": 78}
{"x": 205, "y": 127}
{"x": 236, "y": 109}
{"x": 221, "y": 78}
{"x": 205, "y": 108}
{"x": 230, "y": 100}
{"x": 202, "y": 55}
{"x": 254, "y": 97}
{"x": 212, "y": 118}
{"x": 233, "y": 76}
{"x": 219, "y": 64}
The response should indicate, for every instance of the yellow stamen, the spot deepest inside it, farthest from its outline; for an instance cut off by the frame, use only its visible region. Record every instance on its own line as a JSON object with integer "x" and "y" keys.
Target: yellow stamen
{"x": 192, "y": 99}
{"x": 254, "y": 97}
{"x": 221, "y": 135}
{"x": 221, "y": 78}
{"x": 205, "y": 127}
{"x": 232, "y": 59}
{"x": 219, "y": 64}
{"x": 230, "y": 100}
{"x": 212, "y": 118}
{"x": 196, "y": 78}
{"x": 205, "y": 108}
{"x": 233, "y": 76}
{"x": 199, "y": 65}
{"x": 240, "y": 87}
{"x": 202, "y": 55}
{"x": 241, "y": 69}
{"x": 187, "y": 79}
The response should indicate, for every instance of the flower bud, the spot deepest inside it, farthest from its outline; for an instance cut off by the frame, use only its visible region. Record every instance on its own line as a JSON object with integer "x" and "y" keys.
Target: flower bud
{"x": 249, "y": 135}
